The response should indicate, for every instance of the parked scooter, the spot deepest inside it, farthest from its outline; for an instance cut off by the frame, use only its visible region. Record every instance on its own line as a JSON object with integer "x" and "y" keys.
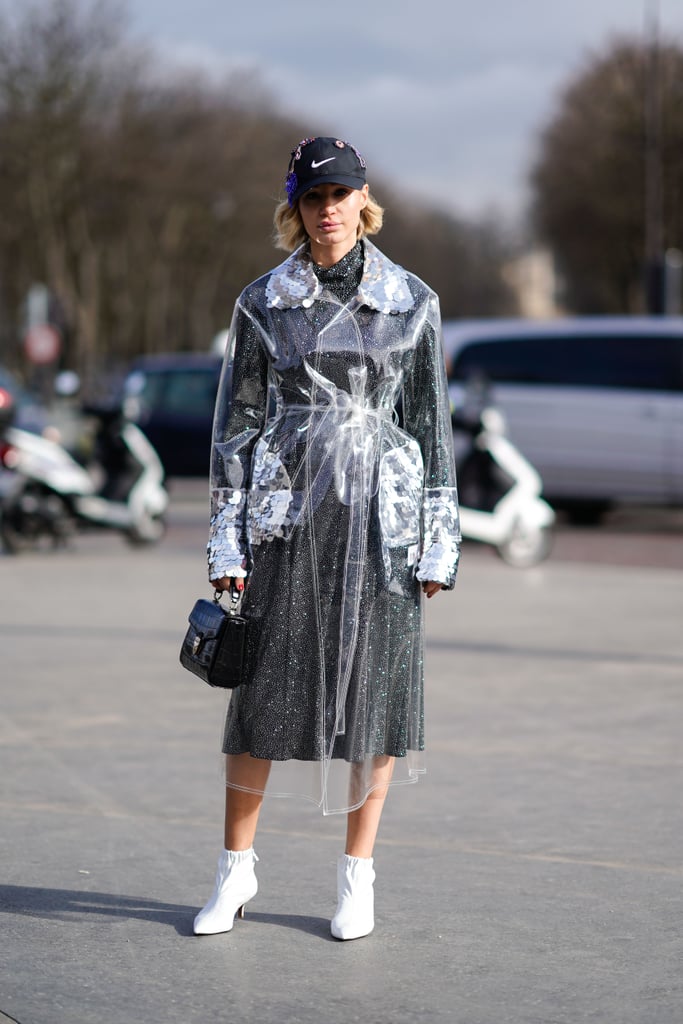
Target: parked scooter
{"x": 47, "y": 494}
{"x": 499, "y": 490}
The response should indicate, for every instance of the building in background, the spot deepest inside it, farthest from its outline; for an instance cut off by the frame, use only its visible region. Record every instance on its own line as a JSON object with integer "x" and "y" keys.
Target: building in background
{"x": 533, "y": 279}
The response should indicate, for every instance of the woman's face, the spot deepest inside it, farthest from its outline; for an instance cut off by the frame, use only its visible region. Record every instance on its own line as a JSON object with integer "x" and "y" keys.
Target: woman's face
{"x": 331, "y": 215}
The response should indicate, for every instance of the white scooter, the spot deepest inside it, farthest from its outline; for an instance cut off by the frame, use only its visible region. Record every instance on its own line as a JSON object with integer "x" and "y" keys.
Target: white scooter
{"x": 500, "y": 491}
{"x": 45, "y": 493}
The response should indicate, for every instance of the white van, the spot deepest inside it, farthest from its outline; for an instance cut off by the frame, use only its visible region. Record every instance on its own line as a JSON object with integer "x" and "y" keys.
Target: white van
{"x": 595, "y": 403}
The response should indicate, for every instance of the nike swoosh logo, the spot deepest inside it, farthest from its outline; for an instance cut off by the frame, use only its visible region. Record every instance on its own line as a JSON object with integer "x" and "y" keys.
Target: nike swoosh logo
{"x": 321, "y": 162}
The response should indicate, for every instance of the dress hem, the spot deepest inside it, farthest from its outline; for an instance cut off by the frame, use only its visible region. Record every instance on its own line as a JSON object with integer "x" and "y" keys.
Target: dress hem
{"x": 414, "y": 773}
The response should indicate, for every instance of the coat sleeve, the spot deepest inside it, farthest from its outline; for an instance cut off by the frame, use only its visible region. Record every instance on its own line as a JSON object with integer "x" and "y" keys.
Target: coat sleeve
{"x": 240, "y": 413}
{"x": 426, "y": 411}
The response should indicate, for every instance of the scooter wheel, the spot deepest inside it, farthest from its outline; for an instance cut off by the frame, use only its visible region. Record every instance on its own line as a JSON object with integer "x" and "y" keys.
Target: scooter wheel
{"x": 148, "y": 530}
{"x": 13, "y": 539}
{"x": 33, "y": 518}
{"x": 526, "y": 546}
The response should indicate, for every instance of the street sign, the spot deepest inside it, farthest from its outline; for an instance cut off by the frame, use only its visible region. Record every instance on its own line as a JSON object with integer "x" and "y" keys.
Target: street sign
{"x": 42, "y": 344}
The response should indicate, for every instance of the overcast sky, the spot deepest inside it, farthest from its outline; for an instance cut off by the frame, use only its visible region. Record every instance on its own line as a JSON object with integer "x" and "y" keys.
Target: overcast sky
{"x": 443, "y": 97}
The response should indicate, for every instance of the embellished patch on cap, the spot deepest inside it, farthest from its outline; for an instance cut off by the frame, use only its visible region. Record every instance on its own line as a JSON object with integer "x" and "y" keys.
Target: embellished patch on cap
{"x": 291, "y": 185}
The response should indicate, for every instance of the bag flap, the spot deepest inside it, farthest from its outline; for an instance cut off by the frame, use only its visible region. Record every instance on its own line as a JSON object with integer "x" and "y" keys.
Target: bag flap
{"x": 207, "y": 618}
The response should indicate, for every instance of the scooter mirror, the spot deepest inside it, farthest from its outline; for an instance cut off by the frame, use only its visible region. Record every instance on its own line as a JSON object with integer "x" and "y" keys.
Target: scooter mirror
{"x": 67, "y": 384}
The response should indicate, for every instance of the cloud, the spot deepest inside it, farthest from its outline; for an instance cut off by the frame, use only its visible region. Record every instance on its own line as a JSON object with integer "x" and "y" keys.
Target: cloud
{"x": 463, "y": 143}
{"x": 447, "y": 100}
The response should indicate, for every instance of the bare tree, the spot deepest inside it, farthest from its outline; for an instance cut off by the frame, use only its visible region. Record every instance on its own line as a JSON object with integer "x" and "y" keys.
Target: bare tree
{"x": 462, "y": 260}
{"x": 135, "y": 202}
{"x": 141, "y": 199}
{"x": 55, "y": 91}
{"x": 590, "y": 176}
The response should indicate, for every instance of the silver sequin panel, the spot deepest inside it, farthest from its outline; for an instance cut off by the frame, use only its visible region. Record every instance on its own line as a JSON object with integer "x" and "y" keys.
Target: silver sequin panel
{"x": 224, "y": 548}
{"x": 400, "y": 495}
{"x": 384, "y": 286}
{"x": 441, "y": 535}
{"x": 270, "y": 497}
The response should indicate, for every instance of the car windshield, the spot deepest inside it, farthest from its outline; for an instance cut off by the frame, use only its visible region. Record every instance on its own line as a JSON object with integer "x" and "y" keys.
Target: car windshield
{"x": 189, "y": 390}
{"x": 193, "y": 390}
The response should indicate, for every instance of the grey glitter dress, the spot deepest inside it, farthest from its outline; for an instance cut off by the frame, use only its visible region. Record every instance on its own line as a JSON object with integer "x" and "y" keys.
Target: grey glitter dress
{"x": 334, "y": 513}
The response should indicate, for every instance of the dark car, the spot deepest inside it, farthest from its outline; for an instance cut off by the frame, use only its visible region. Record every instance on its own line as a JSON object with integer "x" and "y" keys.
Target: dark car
{"x": 171, "y": 398}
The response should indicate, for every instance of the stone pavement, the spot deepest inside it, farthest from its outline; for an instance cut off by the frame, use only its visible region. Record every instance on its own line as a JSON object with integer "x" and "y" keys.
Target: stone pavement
{"x": 534, "y": 876}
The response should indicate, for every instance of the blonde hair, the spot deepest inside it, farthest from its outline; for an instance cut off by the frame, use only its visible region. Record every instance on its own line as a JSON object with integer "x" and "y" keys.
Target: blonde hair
{"x": 289, "y": 231}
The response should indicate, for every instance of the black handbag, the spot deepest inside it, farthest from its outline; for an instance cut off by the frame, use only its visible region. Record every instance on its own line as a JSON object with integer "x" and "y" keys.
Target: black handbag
{"x": 214, "y": 645}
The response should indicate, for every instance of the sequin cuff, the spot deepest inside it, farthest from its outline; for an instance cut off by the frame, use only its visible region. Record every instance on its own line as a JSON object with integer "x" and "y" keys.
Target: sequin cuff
{"x": 225, "y": 549}
{"x": 441, "y": 536}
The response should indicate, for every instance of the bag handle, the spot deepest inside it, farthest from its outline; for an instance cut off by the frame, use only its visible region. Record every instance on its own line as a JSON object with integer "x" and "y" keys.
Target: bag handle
{"x": 235, "y": 598}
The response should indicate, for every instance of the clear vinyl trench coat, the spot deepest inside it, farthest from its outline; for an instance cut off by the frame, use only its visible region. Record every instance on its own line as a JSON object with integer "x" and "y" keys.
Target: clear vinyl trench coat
{"x": 334, "y": 512}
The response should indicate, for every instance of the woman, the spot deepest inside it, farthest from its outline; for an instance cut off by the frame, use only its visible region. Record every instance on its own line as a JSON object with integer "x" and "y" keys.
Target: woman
{"x": 335, "y": 518}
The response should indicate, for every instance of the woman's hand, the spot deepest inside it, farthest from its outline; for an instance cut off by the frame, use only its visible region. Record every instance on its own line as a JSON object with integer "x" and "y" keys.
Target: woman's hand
{"x": 430, "y": 587}
{"x": 227, "y": 582}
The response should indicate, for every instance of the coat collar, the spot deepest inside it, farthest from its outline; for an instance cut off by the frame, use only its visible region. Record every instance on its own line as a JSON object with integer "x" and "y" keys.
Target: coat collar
{"x": 384, "y": 285}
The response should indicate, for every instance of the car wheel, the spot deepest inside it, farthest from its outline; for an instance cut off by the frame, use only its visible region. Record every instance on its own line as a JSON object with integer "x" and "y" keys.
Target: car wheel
{"x": 587, "y": 513}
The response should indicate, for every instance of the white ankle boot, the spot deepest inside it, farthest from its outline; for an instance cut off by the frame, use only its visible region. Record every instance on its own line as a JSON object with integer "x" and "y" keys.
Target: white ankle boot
{"x": 235, "y": 885}
{"x": 355, "y": 914}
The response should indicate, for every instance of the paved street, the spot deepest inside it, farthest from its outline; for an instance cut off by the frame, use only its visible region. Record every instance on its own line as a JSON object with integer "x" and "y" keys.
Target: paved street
{"x": 535, "y": 876}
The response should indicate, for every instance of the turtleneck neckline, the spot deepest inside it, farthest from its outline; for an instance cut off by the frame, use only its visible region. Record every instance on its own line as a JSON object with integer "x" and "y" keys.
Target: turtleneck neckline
{"x": 343, "y": 267}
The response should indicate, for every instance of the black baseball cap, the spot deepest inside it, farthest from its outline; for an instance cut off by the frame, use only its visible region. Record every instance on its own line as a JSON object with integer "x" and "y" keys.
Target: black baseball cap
{"x": 323, "y": 159}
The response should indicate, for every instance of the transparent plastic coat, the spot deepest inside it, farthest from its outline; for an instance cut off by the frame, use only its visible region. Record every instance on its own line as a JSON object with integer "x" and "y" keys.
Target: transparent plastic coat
{"x": 334, "y": 512}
